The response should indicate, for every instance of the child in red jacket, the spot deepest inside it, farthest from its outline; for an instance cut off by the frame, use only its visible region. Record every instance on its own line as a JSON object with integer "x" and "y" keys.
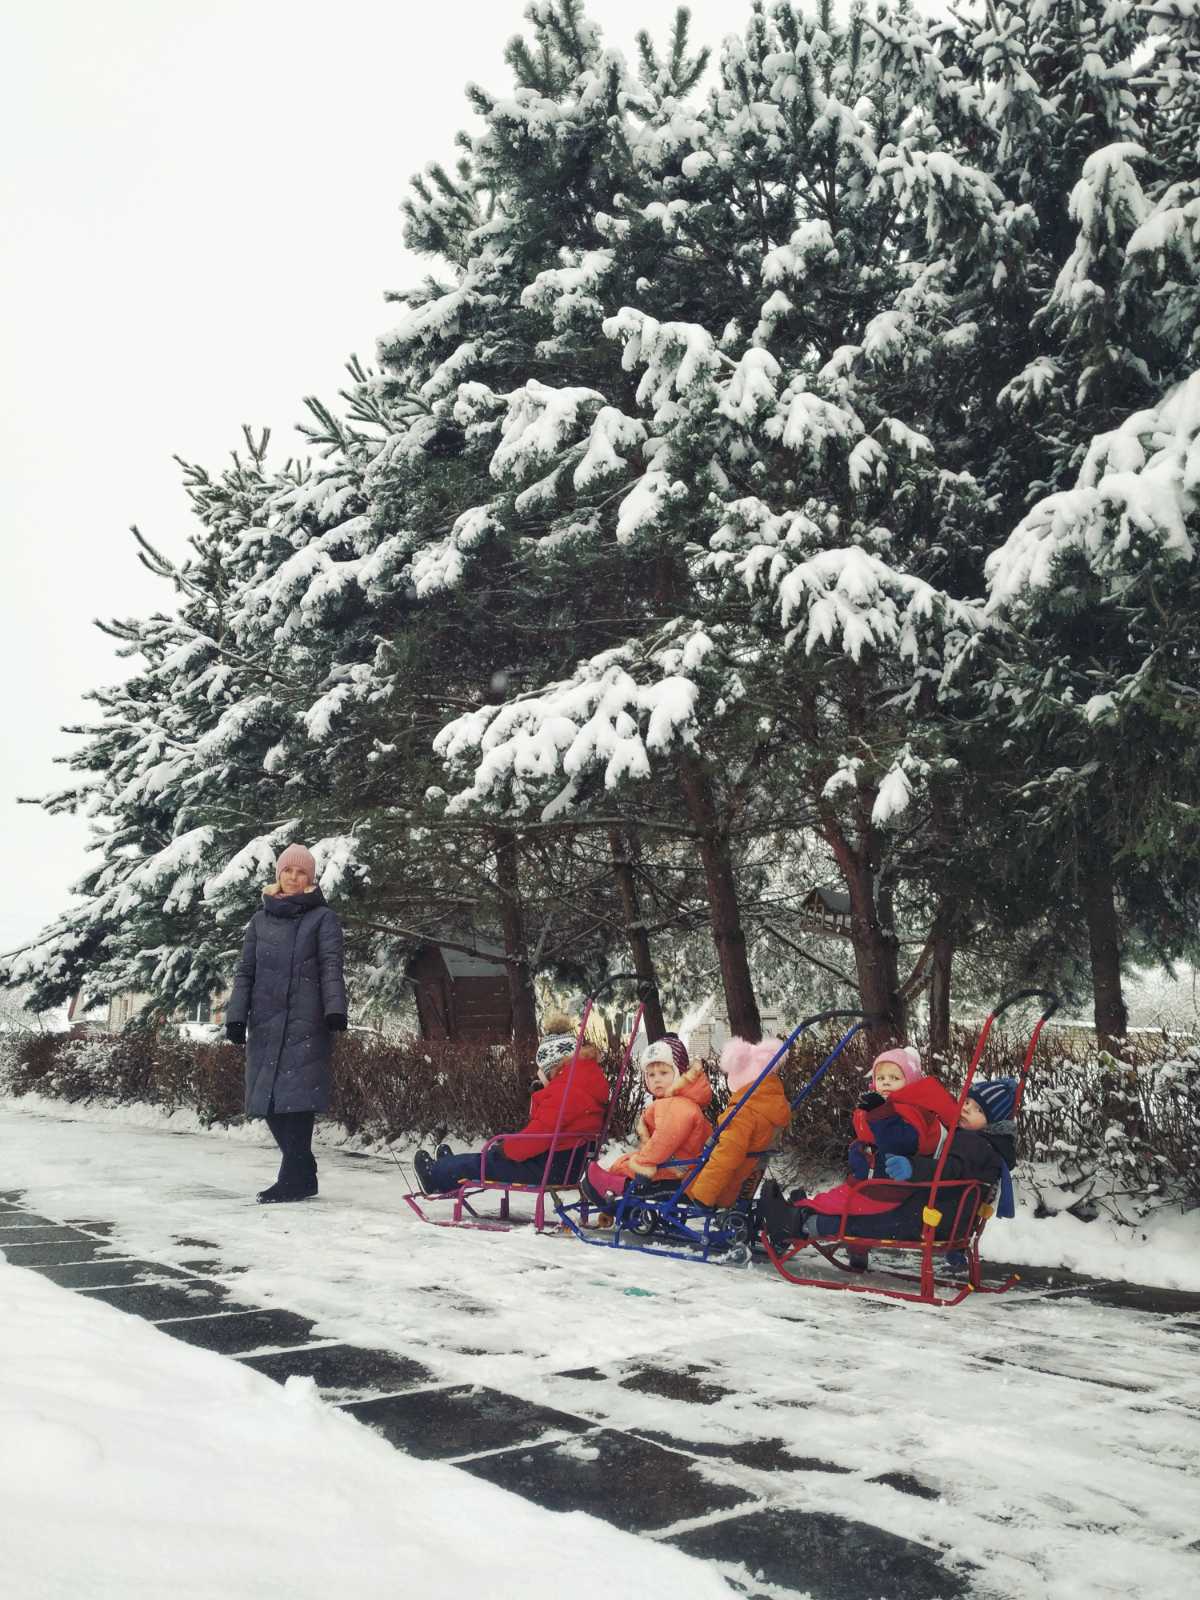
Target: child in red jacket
{"x": 573, "y": 1098}
{"x": 899, "y": 1120}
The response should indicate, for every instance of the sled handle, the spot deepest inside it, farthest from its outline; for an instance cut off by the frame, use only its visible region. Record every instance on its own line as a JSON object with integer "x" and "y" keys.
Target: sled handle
{"x": 1052, "y": 1002}
{"x": 864, "y": 1020}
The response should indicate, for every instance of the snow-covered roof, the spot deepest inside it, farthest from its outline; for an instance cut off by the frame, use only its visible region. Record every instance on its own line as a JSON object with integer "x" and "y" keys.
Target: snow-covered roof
{"x": 832, "y": 899}
{"x": 461, "y": 965}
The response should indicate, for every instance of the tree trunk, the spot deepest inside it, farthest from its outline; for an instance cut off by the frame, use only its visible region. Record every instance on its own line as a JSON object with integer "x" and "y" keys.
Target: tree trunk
{"x": 939, "y": 999}
{"x": 874, "y": 947}
{"x": 1104, "y": 942}
{"x": 516, "y": 952}
{"x": 741, "y": 1007}
{"x": 622, "y": 844}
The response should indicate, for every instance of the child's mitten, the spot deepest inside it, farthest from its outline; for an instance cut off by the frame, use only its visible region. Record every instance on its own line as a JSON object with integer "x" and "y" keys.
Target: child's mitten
{"x": 859, "y": 1159}
{"x": 898, "y": 1167}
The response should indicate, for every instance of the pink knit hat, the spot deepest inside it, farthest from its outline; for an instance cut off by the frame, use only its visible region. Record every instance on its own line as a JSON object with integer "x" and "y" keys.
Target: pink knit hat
{"x": 904, "y": 1057}
{"x": 303, "y": 860}
{"x": 741, "y": 1061}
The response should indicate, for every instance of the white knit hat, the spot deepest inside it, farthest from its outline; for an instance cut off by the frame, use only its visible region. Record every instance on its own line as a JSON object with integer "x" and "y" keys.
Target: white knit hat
{"x": 660, "y": 1054}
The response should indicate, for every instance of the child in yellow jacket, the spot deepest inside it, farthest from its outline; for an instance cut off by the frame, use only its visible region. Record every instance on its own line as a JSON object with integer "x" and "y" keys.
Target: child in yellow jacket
{"x": 752, "y": 1130}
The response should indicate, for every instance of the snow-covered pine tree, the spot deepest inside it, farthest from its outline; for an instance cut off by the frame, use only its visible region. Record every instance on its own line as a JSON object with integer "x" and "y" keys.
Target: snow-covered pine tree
{"x": 159, "y": 774}
{"x": 790, "y": 542}
{"x": 1096, "y": 136}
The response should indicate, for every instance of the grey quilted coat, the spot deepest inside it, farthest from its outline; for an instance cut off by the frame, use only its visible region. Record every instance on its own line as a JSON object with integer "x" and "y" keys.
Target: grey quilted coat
{"x": 289, "y": 979}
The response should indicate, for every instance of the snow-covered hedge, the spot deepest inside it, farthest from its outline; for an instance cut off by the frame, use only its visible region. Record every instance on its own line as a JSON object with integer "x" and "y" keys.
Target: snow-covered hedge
{"x": 1121, "y": 1136}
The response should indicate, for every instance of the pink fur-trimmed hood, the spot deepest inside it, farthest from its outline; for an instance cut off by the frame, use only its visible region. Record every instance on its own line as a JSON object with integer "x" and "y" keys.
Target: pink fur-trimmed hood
{"x": 741, "y": 1061}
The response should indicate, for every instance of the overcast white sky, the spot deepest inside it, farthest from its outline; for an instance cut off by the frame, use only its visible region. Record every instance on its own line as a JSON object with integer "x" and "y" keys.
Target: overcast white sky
{"x": 200, "y": 203}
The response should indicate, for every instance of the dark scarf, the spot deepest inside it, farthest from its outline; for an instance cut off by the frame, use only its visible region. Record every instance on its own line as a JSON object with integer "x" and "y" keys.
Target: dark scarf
{"x": 293, "y": 905}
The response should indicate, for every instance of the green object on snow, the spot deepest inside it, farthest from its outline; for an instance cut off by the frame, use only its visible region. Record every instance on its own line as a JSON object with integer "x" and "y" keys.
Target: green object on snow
{"x": 649, "y": 1293}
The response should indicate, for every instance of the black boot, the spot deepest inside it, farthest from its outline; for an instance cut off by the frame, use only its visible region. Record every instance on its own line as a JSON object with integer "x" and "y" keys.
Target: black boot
{"x": 781, "y": 1221}
{"x": 423, "y": 1167}
{"x": 283, "y": 1194}
{"x": 442, "y": 1151}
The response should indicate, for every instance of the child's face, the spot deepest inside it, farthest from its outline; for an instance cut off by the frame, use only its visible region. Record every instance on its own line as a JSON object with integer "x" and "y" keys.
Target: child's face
{"x": 888, "y": 1078}
{"x": 972, "y": 1116}
{"x": 293, "y": 881}
{"x": 659, "y": 1078}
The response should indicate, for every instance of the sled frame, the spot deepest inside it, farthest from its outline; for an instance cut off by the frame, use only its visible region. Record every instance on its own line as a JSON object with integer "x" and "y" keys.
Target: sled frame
{"x": 971, "y": 1214}
{"x": 684, "y": 1230}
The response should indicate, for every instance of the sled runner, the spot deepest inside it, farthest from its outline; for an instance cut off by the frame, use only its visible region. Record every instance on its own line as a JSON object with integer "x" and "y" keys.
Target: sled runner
{"x": 660, "y": 1219}
{"x": 954, "y": 1211}
{"x": 463, "y": 1199}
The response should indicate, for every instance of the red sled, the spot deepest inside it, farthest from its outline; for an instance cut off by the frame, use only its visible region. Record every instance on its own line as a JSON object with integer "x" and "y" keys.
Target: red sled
{"x": 954, "y": 1214}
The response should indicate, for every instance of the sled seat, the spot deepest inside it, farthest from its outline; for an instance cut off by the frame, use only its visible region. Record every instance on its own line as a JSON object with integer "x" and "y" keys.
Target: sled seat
{"x": 582, "y": 1151}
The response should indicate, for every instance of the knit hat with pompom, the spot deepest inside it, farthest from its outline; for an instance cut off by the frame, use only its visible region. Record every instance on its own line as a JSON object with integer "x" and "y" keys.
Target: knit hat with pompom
{"x": 742, "y": 1062}
{"x": 678, "y": 1051}
{"x": 660, "y": 1054}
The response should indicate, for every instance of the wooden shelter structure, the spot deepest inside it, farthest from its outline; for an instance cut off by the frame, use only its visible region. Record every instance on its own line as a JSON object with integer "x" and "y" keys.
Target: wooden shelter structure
{"x": 829, "y": 909}
{"x": 460, "y": 994}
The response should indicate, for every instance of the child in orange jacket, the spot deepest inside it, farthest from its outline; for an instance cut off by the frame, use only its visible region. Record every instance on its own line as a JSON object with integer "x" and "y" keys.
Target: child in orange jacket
{"x": 764, "y": 1115}
{"x": 672, "y": 1128}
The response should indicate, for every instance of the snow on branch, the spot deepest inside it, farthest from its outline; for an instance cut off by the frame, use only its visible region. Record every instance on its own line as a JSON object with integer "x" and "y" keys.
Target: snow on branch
{"x": 441, "y": 565}
{"x": 177, "y": 869}
{"x": 569, "y": 293}
{"x": 1137, "y": 490}
{"x": 613, "y": 438}
{"x": 602, "y": 719}
{"x": 1106, "y": 202}
{"x": 541, "y": 420}
{"x": 847, "y": 599}
{"x": 676, "y": 355}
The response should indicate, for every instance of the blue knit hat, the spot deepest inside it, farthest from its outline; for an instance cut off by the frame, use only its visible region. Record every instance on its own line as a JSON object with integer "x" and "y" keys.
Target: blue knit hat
{"x": 995, "y": 1098}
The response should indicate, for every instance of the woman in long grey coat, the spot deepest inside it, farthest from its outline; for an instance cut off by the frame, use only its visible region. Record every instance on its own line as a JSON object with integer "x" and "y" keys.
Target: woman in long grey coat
{"x": 290, "y": 992}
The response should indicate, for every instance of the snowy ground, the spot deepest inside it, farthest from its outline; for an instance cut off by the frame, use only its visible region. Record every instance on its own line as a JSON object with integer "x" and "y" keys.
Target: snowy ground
{"x": 1031, "y": 1446}
{"x": 134, "y": 1465}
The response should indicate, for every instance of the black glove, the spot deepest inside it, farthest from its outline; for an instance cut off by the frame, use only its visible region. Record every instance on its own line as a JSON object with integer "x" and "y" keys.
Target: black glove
{"x": 335, "y": 1021}
{"x": 235, "y": 1032}
{"x": 868, "y": 1101}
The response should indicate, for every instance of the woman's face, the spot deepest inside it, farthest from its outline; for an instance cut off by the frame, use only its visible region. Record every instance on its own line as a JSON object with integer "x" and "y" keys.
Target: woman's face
{"x": 888, "y": 1078}
{"x": 659, "y": 1078}
{"x": 292, "y": 880}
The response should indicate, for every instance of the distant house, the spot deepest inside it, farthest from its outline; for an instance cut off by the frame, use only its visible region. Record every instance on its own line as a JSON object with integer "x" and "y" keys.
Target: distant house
{"x": 460, "y": 995}
{"x": 122, "y": 1009}
{"x": 706, "y": 1039}
{"x": 84, "y": 1021}
{"x": 829, "y": 909}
